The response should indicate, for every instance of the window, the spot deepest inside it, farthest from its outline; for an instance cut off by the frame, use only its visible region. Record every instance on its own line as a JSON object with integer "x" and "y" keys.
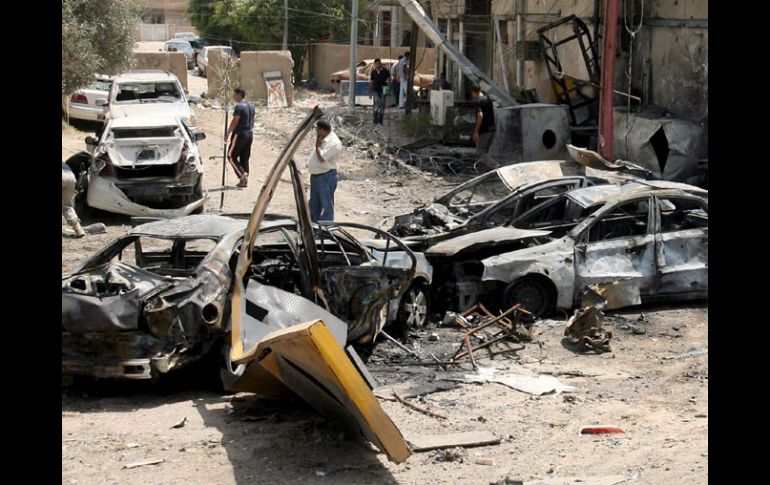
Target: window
{"x": 679, "y": 214}
{"x": 160, "y": 91}
{"x": 626, "y": 220}
{"x": 156, "y": 132}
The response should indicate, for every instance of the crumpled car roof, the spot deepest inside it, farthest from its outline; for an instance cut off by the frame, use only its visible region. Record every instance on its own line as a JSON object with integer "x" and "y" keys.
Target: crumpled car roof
{"x": 590, "y": 196}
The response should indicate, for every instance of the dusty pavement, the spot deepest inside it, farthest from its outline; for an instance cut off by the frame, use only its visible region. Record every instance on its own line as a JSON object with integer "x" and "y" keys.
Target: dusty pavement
{"x": 645, "y": 386}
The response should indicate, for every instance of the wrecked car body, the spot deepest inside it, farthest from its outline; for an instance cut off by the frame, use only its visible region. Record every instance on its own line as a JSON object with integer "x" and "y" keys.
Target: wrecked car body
{"x": 652, "y": 236}
{"x": 477, "y": 202}
{"x": 146, "y": 166}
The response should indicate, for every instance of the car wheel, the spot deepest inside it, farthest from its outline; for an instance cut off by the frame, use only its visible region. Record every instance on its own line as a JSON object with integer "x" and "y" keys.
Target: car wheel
{"x": 414, "y": 306}
{"x": 533, "y": 293}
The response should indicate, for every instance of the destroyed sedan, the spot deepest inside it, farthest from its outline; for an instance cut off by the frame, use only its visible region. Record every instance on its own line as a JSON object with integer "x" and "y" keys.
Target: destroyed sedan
{"x": 143, "y": 166}
{"x": 170, "y": 292}
{"x": 650, "y": 238}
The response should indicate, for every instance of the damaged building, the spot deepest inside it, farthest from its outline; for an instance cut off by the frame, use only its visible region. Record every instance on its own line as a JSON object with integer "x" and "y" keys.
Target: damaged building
{"x": 556, "y": 52}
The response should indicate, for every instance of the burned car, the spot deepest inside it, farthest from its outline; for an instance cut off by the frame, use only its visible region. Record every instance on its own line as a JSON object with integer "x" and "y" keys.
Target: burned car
{"x": 649, "y": 237}
{"x": 143, "y": 166}
{"x": 467, "y": 205}
{"x": 170, "y": 292}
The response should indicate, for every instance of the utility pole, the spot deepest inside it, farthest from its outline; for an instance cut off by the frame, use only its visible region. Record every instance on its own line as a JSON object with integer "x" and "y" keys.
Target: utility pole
{"x": 285, "y": 25}
{"x": 353, "y": 53}
{"x": 607, "y": 94}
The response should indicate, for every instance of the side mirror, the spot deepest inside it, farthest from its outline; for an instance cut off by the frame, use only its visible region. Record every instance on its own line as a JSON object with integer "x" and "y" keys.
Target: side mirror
{"x": 195, "y": 99}
{"x": 100, "y": 102}
{"x": 90, "y": 140}
{"x": 199, "y": 136}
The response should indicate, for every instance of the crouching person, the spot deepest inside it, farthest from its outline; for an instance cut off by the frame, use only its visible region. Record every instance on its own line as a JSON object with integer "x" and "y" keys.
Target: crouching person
{"x": 68, "y": 182}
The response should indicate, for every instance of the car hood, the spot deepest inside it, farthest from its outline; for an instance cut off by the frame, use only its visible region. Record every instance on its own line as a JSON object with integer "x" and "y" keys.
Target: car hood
{"x": 481, "y": 239}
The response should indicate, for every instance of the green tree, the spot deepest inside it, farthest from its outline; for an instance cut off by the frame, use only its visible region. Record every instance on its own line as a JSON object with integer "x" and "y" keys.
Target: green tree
{"x": 258, "y": 24}
{"x": 97, "y": 37}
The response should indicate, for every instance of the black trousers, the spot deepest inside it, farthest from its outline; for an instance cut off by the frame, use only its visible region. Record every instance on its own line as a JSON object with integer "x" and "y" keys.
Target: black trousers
{"x": 242, "y": 151}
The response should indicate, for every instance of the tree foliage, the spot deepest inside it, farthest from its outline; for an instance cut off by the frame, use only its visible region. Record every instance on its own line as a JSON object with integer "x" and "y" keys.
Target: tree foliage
{"x": 97, "y": 37}
{"x": 258, "y": 24}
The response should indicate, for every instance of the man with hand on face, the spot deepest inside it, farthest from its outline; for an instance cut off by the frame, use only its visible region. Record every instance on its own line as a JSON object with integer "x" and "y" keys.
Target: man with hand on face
{"x": 322, "y": 166}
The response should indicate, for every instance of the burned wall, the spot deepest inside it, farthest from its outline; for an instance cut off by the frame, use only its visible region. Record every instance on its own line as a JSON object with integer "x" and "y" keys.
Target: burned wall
{"x": 174, "y": 62}
{"x": 324, "y": 59}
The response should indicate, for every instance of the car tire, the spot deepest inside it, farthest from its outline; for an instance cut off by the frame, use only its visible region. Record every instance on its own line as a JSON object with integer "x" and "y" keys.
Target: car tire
{"x": 414, "y": 307}
{"x": 533, "y": 293}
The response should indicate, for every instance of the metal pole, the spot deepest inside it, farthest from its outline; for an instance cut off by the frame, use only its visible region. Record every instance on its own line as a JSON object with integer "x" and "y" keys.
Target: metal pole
{"x": 224, "y": 162}
{"x": 608, "y": 78}
{"x": 503, "y": 68}
{"x": 519, "y": 39}
{"x": 285, "y": 25}
{"x": 353, "y": 54}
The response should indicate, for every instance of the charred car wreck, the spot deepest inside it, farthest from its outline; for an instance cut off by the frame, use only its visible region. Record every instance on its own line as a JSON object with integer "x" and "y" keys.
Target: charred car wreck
{"x": 160, "y": 297}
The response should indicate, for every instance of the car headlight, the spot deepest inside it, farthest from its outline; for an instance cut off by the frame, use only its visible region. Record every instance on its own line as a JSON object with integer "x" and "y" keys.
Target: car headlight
{"x": 192, "y": 164}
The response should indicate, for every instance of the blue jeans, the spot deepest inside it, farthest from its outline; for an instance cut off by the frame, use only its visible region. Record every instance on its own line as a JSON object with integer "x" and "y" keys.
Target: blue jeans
{"x": 322, "y": 187}
{"x": 379, "y": 107}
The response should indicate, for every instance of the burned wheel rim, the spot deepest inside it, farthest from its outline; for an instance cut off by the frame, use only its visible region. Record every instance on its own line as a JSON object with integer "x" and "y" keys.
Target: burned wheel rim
{"x": 415, "y": 307}
{"x": 532, "y": 294}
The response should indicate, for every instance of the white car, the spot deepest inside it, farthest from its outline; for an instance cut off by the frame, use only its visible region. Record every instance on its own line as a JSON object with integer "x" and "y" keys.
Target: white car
{"x": 203, "y": 57}
{"x": 82, "y": 105}
{"x": 182, "y": 46}
{"x": 143, "y": 166}
{"x": 185, "y": 36}
{"x": 141, "y": 93}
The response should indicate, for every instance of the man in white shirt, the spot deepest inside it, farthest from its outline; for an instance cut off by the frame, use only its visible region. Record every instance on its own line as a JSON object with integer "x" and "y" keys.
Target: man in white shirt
{"x": 322, "y": 166}
{"x": 403, "y": 73}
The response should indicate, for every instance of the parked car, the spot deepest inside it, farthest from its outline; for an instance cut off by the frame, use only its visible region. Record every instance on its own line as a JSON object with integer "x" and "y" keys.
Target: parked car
{"x": 82, "y": 104}
{"x": 181, "y": 46}
{"x": 170, "y": 292}
{"x": 364, "y": 71}
{"x": 139, "y": 93}
{"x": 185, "y": 36}
{"x": 650, "y": 236}
{"x": 143, "y": 166}
{"x": 203, "y": 57}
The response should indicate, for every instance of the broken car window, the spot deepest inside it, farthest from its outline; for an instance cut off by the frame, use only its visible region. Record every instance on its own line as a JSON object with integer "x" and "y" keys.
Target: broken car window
{"x": 679, "y": 214}
{"x": 487, "y": 189}
{"x": 132, "y": 92}
{"x": 626, "y": 220}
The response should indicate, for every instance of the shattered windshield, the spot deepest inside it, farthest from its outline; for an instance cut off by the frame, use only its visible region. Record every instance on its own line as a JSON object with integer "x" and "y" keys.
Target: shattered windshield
{"x": 484, "y": 190}
{"x": 148, "y": 92}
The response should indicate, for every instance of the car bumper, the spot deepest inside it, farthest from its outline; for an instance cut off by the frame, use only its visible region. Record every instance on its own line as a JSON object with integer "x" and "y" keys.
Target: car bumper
{"x": 105, "y": 195}
{"x": 84, "y": 112}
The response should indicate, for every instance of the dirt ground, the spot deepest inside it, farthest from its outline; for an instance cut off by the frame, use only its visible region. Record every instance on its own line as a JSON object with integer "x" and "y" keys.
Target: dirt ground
{"x": 645, "y": 385}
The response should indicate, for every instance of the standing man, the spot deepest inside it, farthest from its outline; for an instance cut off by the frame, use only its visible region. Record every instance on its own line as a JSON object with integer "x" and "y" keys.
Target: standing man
{"x": 396, "y": 79}
{"x": 379, "y": 79}
{"x": 403, "y": 74}
{"x": 240, "y": 133}
{"x": 485, "y": 122}
{"x": 68, "y": 199}
{"x": 322, "y": 166}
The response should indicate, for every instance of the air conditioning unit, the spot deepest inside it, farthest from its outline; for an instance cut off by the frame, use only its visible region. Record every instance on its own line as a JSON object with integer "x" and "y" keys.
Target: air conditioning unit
{"x": 362, "y": 92}
{"x": 439, "y": 101}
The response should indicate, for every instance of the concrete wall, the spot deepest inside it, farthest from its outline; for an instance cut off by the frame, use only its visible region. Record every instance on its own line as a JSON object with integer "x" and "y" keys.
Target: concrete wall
{"x": 324, "y": 59}
{"x": 253, "y": 64}
{"x": 174, "y": 62}
{"x": 247, "y": 72}
{"x": 215, "y": 71}
{"x": 174, "y": 29}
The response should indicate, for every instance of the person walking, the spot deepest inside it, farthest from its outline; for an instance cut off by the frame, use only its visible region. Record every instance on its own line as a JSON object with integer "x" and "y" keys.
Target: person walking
{"x": 68, "y": 182}
{"x": 322, "y": 166}
{"x": 396, "y": 84}
{"x": 403, "y": 74}
{"x": 240, "y": 133}
{"x": 484, "y": 130}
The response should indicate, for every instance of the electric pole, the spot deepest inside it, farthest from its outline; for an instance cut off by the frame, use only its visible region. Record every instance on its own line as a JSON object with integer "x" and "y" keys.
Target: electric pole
{"x": 285, "y": 25}
{"x": 353, "y": 46}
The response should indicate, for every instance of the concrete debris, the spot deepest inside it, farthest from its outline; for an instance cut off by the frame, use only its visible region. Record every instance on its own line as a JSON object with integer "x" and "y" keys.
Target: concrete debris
{"x": 97, "y": 228}
{"x": 450, "y": 455}
{"x": 179, "y": 424}
{"x": 143, "y": 463}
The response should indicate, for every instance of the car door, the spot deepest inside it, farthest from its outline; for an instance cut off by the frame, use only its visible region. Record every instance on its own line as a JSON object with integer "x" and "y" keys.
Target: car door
{"x": 682, "y": 244}
{"x": 618, "y": 244}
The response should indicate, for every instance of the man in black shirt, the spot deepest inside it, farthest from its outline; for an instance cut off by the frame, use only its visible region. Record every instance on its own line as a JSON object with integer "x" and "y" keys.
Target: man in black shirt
{"x": 241, "y": 130}
{"x": 485, "y": 122}
{"x": 377, "y": 81}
